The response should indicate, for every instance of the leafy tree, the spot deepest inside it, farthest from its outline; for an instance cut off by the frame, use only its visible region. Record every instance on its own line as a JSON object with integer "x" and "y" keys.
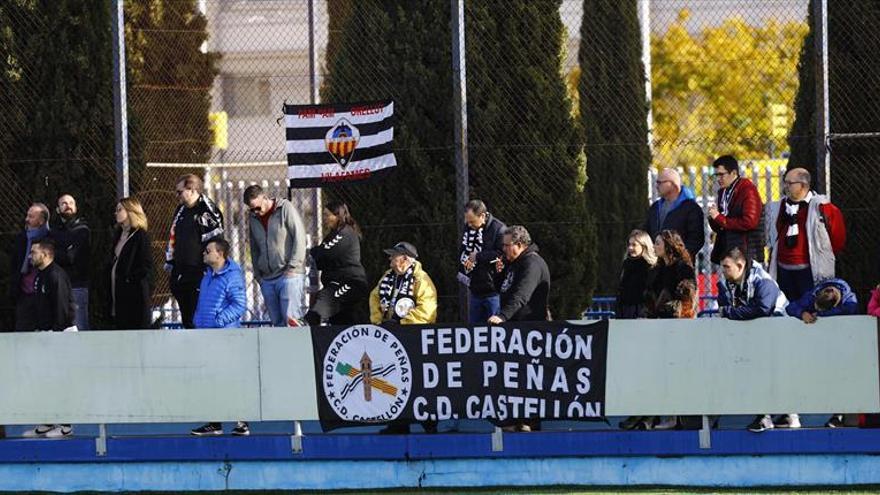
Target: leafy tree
{"x": 170, "y": 80}
{"x": 714, "y": 91}
{"x": 390, "y": 49}
{"x": 614, "y": 116}
{"x": 526, "y": 156}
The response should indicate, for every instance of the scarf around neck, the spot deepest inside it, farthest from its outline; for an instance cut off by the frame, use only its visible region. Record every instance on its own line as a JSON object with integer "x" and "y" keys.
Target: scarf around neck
{"x": 790, "y": 217}
{"x": 471, "y": 242}
{"x": 392, "y": 287}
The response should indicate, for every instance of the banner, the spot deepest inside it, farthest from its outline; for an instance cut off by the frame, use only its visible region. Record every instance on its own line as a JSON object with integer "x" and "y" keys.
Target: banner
{"x": 329, "y": 144}
{"x": 517, "y": 370}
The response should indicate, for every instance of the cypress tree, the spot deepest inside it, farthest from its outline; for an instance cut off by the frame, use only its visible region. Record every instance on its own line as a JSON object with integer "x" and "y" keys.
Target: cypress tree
{"x": 854, "y": 108}
{"x": 614, "y": 117}
{"x": 802, "y": 138}
{"x": 398, "y": 49}
{"x": 63, "y": 136}
{"x": 526, "y": 157}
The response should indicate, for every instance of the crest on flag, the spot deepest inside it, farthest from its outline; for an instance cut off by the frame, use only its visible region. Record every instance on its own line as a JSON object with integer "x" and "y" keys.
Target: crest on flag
{"x": 341, "y": 141}
{"x": 335, "y": 143}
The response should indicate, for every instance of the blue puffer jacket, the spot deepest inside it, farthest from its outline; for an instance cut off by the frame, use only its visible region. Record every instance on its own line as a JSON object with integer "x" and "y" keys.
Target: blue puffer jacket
{"x": 849, "y": 304}
{"x": 762, "y": 296}
{"x": 221, "y": 298}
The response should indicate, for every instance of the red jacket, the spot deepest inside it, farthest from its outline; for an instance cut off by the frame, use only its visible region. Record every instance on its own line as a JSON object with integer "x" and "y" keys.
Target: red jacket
{"x": 874, "y": 303}
{"x": 743, "y": 225}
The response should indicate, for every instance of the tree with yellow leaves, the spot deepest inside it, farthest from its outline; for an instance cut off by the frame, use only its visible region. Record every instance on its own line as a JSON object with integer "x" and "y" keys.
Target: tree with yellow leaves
{"x": 726, "y": 89}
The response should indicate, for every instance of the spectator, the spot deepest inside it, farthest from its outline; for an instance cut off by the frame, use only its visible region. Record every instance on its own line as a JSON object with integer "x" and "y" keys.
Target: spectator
{"x": 672, "y": 290}
{"x": 131, "y": 273}
{"x": 637, "y": 263}
{"x": 831, "y": 297}
{"x": 54, "y": 311}
{"x": 671, "y": 293}
{"x": 338, "y": 257}
{"x": 22, "y": 273}
{"x": 524, "y": 281}
{"x": 804, "y": 233}
{"x": 221, "y": 305}
{"x": 405, "y": 293}
{"x": 73, "y": 245}
{"x": 480, "y": 249}
{"x": 196, "y": 221}
{"x": 678, "y": 211}
{"x": 278, "y": 253}
{"x": 736, "y": 218}
{"x": 525, "y": 292}
{"x": 746, "y": 293}
{"x": 874, "y": 303}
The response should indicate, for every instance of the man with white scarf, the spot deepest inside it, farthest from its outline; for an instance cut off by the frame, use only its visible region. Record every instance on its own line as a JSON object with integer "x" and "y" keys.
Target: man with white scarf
{"x": 804, "y": 233}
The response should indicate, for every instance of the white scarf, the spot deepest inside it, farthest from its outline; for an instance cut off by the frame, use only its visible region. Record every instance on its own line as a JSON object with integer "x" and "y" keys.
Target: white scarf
{"x": 791, "y": 213}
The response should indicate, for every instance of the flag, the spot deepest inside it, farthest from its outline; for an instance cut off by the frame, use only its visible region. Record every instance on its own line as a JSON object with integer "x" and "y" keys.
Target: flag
{"x": 328, "y": 144}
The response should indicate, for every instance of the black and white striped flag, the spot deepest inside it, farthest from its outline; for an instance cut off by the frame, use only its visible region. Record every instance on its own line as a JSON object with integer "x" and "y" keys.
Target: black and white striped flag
{"x": 328, "y": 144}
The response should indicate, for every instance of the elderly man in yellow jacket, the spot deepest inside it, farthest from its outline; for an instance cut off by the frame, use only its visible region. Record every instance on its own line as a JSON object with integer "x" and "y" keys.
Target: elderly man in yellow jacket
{"x": 405, "y": 293}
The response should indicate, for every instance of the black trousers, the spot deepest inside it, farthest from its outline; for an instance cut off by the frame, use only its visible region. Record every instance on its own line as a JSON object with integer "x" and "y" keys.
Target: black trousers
{"x": 26, "y": 313}
{"x": 339, "y": 303}
{"x": 185, "y": 289}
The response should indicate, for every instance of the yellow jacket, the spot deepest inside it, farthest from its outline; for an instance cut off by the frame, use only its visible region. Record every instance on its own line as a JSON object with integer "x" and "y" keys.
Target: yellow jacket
{"x": 425, "y": 295}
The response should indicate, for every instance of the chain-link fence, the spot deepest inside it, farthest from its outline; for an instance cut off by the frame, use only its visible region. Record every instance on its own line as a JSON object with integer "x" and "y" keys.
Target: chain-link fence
{"x": 722, "y": 77}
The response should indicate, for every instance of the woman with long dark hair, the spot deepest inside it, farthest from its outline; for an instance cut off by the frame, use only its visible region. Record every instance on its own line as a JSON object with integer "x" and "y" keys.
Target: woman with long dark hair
{"x": 131, "y": 272}
{"x": 672, "y": 291}
{"x": 343, "y": 298}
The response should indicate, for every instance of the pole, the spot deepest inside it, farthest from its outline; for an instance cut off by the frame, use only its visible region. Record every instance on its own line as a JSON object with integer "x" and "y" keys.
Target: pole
{"x": 823, "y": 115}
{"x": 645, "y": 28}
{"x": 314, "y": 279}
{"x": 120, "y": 116}
{"x": 459, "y": 84}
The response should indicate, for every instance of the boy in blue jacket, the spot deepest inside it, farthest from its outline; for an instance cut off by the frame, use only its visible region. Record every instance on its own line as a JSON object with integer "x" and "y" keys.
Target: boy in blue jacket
{"x": 221, "y": 305}
{"x": 830, "y": 297}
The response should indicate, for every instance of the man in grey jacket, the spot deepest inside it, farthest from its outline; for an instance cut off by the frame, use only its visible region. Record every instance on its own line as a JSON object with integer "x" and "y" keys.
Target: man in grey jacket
{"x": 278, "y": 251}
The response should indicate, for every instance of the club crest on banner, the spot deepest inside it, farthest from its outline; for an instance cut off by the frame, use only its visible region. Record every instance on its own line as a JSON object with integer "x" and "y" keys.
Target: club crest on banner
{"x": 341, "y": 141}
{"x": 367, "y": 375}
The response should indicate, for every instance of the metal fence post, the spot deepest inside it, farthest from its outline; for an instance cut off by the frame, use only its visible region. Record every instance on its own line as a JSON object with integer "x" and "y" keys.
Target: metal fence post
{"x": 459, "y": 83}
{"x": 823, "y": 117}
{"x": 120, "y": 115}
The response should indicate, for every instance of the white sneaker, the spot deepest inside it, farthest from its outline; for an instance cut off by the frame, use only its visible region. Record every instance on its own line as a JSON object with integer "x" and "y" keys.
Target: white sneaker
{"x": 667, "y": 423}
{"x": 60, "y": 431}
{"x": 38, "y": 432}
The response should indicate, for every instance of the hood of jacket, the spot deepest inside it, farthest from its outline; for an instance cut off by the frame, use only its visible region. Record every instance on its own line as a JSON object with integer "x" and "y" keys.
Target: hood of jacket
{"x": 685, "y": 194}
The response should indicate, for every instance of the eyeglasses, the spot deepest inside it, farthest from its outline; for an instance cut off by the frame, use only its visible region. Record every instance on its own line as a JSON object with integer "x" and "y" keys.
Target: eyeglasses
{"x": 659, "y": 182}
{"x": 792, "y": 182}
{"x": 718, "y": 175}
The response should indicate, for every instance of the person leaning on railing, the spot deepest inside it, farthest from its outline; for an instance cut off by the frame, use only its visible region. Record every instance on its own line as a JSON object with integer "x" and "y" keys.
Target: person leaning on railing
{"x": 746, "y": 293}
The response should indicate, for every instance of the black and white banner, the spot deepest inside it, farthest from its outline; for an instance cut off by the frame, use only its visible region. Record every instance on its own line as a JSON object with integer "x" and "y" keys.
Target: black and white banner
{"x": 329, "y": 144}
{"x": 517, "y": 370}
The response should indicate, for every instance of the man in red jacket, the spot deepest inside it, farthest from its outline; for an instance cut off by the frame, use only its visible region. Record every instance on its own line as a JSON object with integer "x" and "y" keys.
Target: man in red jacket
{"x": 736, "y": 218}
{"x": 804, "y": 232}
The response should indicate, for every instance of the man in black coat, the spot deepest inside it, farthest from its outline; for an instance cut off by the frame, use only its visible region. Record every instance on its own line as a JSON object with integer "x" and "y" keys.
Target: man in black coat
{"x": 525, "y": 280}
{"x": 480, "y": 249}
{"x": 55, "y": 304}
{"x": 72, "y": 246}
{"x": 54, "y": 312}
{"x": 676, "y": 210}
{"x": 21, "y": 272}
{"x": 196, "y": 221}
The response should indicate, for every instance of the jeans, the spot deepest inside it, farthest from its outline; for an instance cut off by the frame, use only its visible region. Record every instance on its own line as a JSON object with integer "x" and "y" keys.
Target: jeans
{"x": 794, "y": 283}
{"x": 481, "y": 308}
{"x": 285, "y": 298}
{"x": 81, "y": 298}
